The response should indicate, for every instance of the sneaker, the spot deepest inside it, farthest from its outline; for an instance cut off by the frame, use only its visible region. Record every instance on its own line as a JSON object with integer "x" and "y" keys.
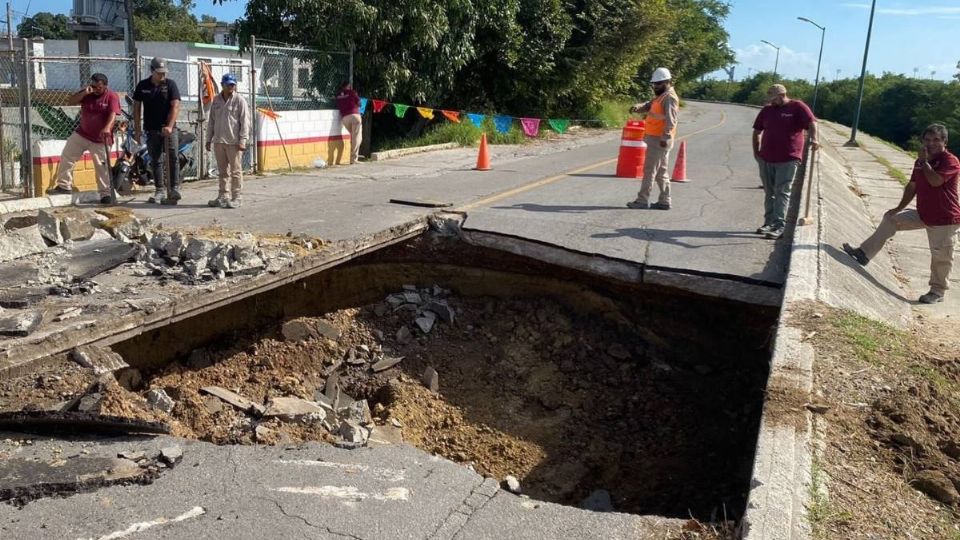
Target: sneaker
{"x": 157, "y": 197}
{"x": 219, "y": 202}
{"x": 764, "y": 229}
{"x": 856, "y": 253}
{"x": 236, "y": 202}
{"x": 57, "y": 190}
{"x": 660, "y": 206}
{"x": 774, "y": 233}
{"x": 175, "y": 195}
{"x": 106, "y": 200}
{"x": 931, "y": 298}
{"x": 637, "y": 205}
{"x": 172, "y": 199}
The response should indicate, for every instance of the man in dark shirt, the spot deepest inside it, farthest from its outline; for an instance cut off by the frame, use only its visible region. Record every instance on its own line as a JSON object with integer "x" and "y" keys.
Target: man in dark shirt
{"x": 98, "y": 109}
{"x": 934, "y": 183}
{"x": 159, "y": 98}
{"x": 778, "y": 147}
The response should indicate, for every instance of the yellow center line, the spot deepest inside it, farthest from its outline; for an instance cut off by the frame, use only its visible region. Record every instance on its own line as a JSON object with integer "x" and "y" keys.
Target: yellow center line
{"x": 538, "y": 183}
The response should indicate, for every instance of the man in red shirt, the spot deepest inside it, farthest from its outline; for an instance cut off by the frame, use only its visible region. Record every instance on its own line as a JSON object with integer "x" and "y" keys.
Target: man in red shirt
{"x": 778, "y": 147}
{"x": 934, "y": 184}
{"x": 99, "y": 107}
{"x": 348, "y": 102}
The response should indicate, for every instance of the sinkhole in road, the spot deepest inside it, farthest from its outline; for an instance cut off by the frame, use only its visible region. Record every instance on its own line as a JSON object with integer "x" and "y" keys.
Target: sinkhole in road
{"x": 569, "y": 381}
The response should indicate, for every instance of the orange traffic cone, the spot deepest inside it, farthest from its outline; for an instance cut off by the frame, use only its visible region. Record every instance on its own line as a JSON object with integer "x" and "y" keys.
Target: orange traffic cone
{"x": 483, "y": 159}
{"x": 680, "y": 168}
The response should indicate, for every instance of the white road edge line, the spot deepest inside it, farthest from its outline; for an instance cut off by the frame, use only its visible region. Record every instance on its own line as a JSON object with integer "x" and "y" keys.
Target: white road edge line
{"x": 196, "y": 511}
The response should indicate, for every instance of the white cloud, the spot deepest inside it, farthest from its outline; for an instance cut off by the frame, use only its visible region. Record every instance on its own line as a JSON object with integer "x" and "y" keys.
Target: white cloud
{"x": 793, "y": 64}
{"x": 911, "y": 12}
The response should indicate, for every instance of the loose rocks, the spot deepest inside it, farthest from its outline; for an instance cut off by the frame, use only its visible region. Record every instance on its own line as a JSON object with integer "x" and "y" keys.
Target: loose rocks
{"x": 159, "y": 400}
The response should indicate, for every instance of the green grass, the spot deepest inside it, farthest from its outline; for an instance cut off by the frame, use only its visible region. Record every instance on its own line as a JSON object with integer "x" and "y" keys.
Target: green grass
{"x": 614, "y": 113}
{"x": 892, "y": 171}
{"x": 464, "y": 134}
{"x": 821, "y": 512}
{"x": 870, "y": 340}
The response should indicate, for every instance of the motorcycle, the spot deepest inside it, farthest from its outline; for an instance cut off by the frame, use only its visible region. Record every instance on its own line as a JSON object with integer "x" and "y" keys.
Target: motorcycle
{"x": 133, "y": 166}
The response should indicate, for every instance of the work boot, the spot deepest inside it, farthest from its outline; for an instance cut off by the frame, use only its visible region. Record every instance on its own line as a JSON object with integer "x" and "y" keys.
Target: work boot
{"x": 157, "y": 197}
{"x": 931, "y": 298}
{"x": 637, "y": 205}
{"x": 856, "y": 253}
{"x": 235, "y": 202}
{"x": 219, "y": 202}
{"x": 172, "y": 199}
{"x": 106, "y": 200}
{"x": 57, "y": 190}
{"x": 774, "y": 233}
{"x": 660, "y": 206}
{"x": 764, "y": 229}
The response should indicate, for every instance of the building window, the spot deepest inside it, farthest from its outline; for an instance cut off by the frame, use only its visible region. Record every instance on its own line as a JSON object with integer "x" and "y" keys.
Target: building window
{"x": 228, "y": 39}
{"x": 303, "y": 78}
{"x": 236, "y": 67}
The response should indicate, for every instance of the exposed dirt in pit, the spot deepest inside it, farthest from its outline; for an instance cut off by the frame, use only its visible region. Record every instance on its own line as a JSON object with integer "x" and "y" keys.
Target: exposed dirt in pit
{"x": 889, "y": 458}
{"x": 566, "y": 403}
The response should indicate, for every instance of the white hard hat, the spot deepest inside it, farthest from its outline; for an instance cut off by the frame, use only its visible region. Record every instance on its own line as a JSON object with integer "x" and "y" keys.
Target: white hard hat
{"x": 661, "y": 74}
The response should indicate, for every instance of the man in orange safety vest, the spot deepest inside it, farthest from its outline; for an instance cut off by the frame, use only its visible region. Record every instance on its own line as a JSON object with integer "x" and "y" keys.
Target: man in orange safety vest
{"x": 660, "y": 130}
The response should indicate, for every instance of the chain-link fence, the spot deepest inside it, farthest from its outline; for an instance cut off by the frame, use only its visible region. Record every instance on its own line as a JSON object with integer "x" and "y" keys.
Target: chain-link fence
{"x": 35, "y": 92}
{"x": 291, "y": 78}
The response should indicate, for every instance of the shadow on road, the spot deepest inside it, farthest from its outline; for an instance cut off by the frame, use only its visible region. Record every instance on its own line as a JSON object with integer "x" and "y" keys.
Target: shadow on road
{"x": 562, "y": 209}
{"x": 668, "y": 236}
{"x": 844, "y": 259}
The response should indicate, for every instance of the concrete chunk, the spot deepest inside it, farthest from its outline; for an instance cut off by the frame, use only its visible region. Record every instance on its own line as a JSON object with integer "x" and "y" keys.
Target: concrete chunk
{"x": 386, "y": 364}
{"x": 23, "y": 297}
{"x": 426, "y": 321}
{"x": 291, "y": 408}
{"x": 20, "y": 243}
{"x": 352, "y": 432}
{"x": 159, "y": 400}
{"x": 234, "y": 399}
{"x": 358, "y": 411}
{"x": 99, "y": 359}
{"x": 20, "y": 324}
{"x": 59, "y": 225}
{"x": 443, "y": 311}
{"x": 431, "y": 379}
{"x": 87, "y": 259}
{"x": 385, "y": 436}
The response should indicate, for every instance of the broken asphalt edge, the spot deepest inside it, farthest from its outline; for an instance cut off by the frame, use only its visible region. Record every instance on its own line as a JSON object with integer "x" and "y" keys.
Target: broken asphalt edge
{"x": 28, "y": 355}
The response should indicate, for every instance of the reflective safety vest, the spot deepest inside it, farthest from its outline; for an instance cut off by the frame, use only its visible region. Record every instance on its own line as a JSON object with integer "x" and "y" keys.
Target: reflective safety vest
{"x": 656, "y": 121}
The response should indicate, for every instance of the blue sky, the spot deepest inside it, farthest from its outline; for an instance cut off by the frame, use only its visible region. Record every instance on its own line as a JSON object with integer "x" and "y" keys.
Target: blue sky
{"x": 906, "y": 35}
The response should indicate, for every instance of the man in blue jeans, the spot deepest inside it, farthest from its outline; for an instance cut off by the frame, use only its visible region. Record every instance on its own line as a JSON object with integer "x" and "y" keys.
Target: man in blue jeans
{"x": 159, "y": 99}
{"x": 778, "y": 148}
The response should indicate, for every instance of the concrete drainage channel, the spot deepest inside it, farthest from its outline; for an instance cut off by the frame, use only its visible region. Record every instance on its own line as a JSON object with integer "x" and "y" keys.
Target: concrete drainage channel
{"x": 587, "y": 388}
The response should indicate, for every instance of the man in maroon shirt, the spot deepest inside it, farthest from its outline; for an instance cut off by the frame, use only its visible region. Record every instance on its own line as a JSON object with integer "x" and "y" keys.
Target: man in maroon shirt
{"x": 348, "y": 102}
{"x": 778, "y": 147}
{"x": 99, "y": 107}
{"x": 934, "y": 184}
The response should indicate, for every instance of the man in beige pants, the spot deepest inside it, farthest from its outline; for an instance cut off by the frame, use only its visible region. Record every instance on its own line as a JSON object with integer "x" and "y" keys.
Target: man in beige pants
{"x": 934, "y": 184}
{"x": 660, "y": 129}
{"x": 99, "y": 107}
{"x": 227, "y": 133}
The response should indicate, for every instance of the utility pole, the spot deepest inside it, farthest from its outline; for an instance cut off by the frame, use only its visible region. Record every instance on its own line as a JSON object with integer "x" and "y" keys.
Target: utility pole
{"x": 776, "y": 63}
{"x": 863, "y": 75}
{"x": 9, "y": 27}
{"x": 816, "y": 81}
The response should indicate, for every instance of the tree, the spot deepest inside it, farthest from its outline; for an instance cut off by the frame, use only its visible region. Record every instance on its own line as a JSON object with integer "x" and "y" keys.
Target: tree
{"x": 957, "y": 74}
{"x": 162, "y": 20}
{"x": 45, "y": 25}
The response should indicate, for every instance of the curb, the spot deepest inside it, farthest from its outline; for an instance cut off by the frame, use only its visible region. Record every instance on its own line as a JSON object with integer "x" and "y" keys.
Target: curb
{"x": 50, "y": 201}
{"x": 400, "y": 152}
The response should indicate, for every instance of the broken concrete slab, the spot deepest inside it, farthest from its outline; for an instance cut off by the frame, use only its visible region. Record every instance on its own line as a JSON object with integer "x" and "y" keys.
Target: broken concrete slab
{"x": 387, "y": 363}
{"x": 59, "y": 225}
{"x": 385, "y": 436}
{"x": 291, "y": 408}
{"x": 121, "y": 223}
{"x": 23, "y": 480}
{"x": 20, "y": 324}
{"x": 234, "y": 399}
{"x": 358, "y": 411}
{"x": 353, "y": 432}
{"x": 199, "y": 248}
{"x": 20, "y": 243}
{"x": 23, "y": 297}
{"x": 171, "y": 455}
{"x": 69, "y": 422}
{"x": 87, "y": 259}
{"x": 99, "y": 359}
{"x": 15, "y": 273}
{"x": 69, "y": 313}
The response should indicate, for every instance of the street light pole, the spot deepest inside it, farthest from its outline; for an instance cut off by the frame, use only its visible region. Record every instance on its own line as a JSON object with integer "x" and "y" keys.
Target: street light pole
{"x": 776, "y": 62}
{"x": 816, "y": 82}
{"x": 863, "y": 74}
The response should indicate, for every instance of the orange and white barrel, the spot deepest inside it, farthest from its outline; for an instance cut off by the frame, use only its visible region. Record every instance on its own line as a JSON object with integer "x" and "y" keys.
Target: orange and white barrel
{"x": 633, "y": 151}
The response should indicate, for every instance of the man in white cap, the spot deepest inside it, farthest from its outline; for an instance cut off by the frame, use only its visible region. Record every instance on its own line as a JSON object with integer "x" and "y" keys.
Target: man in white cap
{"x": 659, "y": 132}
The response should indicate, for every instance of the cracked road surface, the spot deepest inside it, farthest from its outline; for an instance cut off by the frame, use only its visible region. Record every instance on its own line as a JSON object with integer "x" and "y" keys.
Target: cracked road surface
{"x": 307, "y": 491}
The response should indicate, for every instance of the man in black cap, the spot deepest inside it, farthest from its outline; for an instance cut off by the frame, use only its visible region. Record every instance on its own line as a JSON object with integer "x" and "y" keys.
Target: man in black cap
{"x": 159, "y": 98}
